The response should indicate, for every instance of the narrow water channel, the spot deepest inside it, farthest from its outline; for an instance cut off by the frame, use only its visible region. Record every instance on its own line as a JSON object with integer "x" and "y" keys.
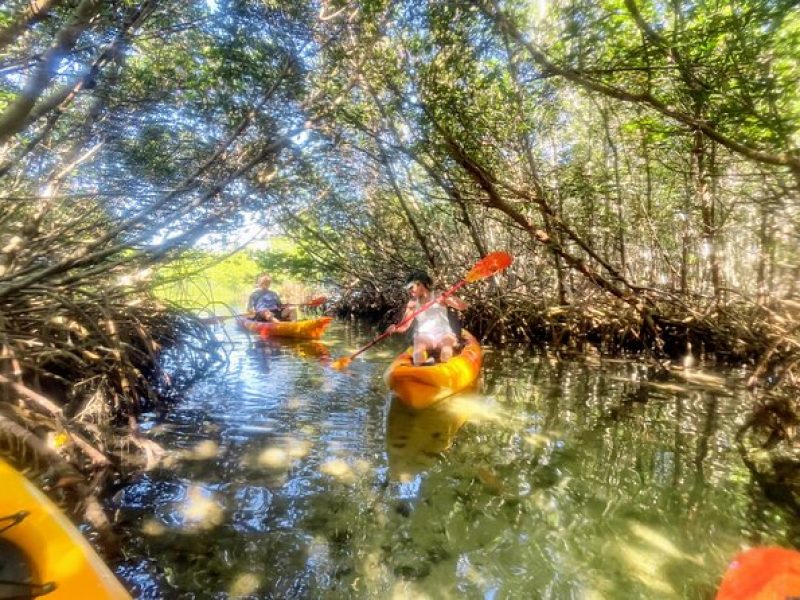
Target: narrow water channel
{"x": 551, "y": 480}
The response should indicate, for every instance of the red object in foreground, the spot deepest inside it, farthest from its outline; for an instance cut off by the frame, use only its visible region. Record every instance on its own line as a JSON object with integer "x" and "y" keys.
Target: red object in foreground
{"x": 766, "y": 573}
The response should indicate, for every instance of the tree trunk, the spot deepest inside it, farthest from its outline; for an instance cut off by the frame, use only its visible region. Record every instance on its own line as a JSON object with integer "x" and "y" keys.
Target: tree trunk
{"x": 620, "y": 209}
{"x": 765, "y": 244}
{"x": 702, "y": 164}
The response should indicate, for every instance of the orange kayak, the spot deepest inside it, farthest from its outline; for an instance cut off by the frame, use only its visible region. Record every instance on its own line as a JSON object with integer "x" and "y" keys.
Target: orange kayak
{"x": 419, "y": 387}
{"x": 307, "y": 329}
{"x": 45, "y": 550}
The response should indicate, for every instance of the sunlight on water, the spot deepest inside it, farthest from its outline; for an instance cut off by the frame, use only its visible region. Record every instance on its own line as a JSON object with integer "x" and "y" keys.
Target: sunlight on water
{"x": 338, "y": 469}
{"x": 200, "y": 510}
{"x": 245, "y": 584}
{"x": 587, "y": 480}
{"x": 274, "y": 458}
{"x": 153, "y": 527}
{"x": 661, "y": 543}
{"x": 205, "y": 450}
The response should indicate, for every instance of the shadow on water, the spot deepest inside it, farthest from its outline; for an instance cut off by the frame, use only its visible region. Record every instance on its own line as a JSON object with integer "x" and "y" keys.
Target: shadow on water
{"x": 551, "y": 480}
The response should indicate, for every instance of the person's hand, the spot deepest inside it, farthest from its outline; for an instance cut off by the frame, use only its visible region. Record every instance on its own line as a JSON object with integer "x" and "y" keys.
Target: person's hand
{"x": 391, "y": 329}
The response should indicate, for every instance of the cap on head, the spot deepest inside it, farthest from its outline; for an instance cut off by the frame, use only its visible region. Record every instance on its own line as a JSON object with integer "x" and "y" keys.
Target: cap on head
{"x": 419, "y": 277}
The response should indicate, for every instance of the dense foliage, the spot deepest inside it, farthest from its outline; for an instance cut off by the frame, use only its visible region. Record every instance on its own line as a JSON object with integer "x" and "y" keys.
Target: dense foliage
{"x": 207, "y": 281}
{"x": 129, "y": 133}
{"x": 639, "y": 160}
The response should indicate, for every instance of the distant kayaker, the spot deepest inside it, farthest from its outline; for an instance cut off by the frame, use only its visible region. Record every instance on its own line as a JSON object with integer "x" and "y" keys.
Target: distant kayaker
{"x": 432, "y": 329}
{"x": 266, "y": 304}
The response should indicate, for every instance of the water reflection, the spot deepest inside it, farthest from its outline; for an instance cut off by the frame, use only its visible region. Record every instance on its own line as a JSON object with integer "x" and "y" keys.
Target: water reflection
{"x": 415, "y": 439}
{"x": 311, "y": 349}
{"x": 261, "y": 352}
{"x": 553, "y": 480}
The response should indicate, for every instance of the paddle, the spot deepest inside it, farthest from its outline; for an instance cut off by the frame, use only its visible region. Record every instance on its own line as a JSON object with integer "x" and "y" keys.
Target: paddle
{"x": 310, "y": 304}
{"x": 489, "y": 265}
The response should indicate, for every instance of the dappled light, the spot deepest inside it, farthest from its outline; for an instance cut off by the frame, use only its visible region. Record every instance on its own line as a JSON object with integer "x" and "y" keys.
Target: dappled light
{"x": 646, "y": 565}
{"x": 244, "y": 584}
{"x": 339, "y": 470}
{"x": 537, "y": 440}
{"x": 205, "y": 450}
{"x": 561, "y": 477}
{"x": 200, "y": 510}
{"x": 283, "y": 456}
{"x": 154, "y": 528}
{"x": 274, "y": 458}
{"x": 658, "y": 541}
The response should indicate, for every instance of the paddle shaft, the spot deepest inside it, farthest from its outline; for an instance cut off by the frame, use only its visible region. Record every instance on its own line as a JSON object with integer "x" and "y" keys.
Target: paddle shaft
{"x": 412, "y": 316}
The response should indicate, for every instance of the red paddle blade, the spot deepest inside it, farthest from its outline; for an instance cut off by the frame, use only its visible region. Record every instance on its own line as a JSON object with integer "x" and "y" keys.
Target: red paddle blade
{"x": 489, "y": 265}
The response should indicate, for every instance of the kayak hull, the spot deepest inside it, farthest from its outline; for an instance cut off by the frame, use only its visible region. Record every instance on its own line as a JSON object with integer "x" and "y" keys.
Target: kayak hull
{"x": 307, "y": 329}
{"x": 420, "y": 387}
{"x": 55, "y": 549}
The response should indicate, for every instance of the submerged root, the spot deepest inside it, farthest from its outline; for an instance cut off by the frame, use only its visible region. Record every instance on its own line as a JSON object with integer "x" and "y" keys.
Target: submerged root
{"x": 769, "y": 444}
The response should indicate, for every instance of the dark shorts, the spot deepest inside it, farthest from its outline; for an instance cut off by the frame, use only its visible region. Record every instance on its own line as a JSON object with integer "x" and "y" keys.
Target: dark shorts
{"x": 278, "y": 317}
{"x": 455, "y": 322}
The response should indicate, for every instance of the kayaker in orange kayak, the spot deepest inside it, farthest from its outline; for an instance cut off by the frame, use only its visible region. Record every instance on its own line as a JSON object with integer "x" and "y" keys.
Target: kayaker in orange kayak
{"x": 266, "y": 305}
{"x": 432, "y": 330}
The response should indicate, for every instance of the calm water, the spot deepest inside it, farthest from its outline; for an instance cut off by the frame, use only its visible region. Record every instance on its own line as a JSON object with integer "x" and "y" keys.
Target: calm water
{"x": 552, "y": 480}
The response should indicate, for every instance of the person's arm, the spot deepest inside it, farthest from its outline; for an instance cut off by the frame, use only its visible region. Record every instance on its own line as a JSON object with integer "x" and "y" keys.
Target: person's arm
{"x": 456, "y": 302}
{"x": 394, "y": 328}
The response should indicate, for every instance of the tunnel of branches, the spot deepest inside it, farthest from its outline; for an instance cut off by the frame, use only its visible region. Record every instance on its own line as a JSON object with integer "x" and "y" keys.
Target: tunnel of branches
{"x": 641, "y": 167}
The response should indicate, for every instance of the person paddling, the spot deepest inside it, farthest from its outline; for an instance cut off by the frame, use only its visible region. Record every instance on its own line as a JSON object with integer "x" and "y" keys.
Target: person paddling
{"x": 266, "y": 304}
{"x": 432, "y": 330}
